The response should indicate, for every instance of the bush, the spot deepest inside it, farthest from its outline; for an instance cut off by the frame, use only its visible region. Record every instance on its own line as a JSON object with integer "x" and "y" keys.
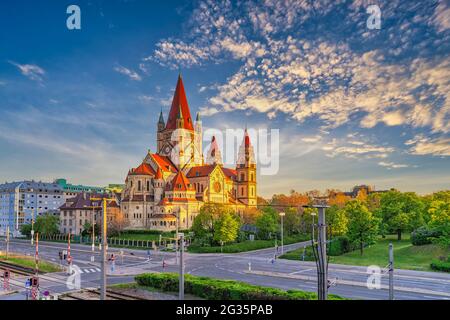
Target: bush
{"x": 423, "y": 235}
{"x": 216, "y": 289}
{"x": 202, "y": 247}
{"x": 339, "y": 246}
{"x": 441, "y": 265}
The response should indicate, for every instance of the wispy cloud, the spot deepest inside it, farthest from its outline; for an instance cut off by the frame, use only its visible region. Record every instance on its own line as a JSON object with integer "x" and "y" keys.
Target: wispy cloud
{"x": 392, "y": 165}
{"x": 31, "y": 71}
{"x": 133, "y": 75}
{"x": 421, "y": 145}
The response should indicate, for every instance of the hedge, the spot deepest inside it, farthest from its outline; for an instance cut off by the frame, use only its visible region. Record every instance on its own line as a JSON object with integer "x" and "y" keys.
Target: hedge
{"x": 439, "y": 265}
{"x": 216, "y": 289}
{"x": 247, "y": 245}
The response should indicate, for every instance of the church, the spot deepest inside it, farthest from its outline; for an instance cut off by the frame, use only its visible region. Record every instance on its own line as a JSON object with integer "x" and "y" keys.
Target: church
{"x": 167, "y": 190}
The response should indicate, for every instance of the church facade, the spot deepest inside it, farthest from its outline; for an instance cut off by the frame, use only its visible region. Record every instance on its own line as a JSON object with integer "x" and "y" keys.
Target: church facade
{"x": 167, "y": 190}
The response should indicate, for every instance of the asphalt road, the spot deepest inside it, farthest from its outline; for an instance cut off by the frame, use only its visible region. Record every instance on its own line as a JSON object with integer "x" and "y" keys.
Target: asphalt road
{"x": 348, "y": 281}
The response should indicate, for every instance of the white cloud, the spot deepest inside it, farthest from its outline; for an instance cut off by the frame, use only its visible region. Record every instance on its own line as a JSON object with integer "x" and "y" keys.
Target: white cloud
{"x": 128, "y": 72}
{"x": 392, "y": 165}
{"x": 421, "y": 145}
{"x": 32, "y": 71}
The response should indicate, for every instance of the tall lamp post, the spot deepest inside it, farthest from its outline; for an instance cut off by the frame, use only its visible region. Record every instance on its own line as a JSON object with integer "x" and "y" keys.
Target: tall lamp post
{"x": 282, "y": 214}
{"x": 104, "y": 244}
{"x": 320, "y": 252}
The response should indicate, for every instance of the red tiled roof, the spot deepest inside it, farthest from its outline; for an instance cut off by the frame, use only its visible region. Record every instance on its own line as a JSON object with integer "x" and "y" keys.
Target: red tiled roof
{"x": 229, "y": 173}
{"x": 179, "y": 99}
{"x": 200, "y": 171}
{"x": 180, "y": 183}
{"x": 204, "y": 171}
{"x": 159, "y": 174}
{"x": 143, "y": 169}
{"x": 164, "y": 163}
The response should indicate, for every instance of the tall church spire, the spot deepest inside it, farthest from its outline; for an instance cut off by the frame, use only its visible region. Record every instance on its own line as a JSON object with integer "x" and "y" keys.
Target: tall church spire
{"x": 180, "y": 102}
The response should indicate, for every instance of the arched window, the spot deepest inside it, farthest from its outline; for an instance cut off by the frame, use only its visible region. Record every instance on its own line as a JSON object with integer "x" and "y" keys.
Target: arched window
{"x": 242, "y": 177}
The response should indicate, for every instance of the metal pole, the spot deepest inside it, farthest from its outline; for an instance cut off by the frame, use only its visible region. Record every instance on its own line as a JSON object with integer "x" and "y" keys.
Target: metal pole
{"x": 93, "y": 229}
{"x": 181, "y": 285}
{"x": 322, "y": 250}
{"x": 104, "y": 234}
{"x": 391, "y": 271}
{"x": 282, "y": 236}
{"x": 7, "y": 242}
{"x": 176, "y": 241}
{"x": 36, "y": 255}
{"x": 69, "y": 257}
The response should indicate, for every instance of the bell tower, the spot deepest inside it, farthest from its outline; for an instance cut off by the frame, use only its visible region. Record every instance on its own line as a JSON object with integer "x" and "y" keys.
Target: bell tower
{"x": 246, "y": 173}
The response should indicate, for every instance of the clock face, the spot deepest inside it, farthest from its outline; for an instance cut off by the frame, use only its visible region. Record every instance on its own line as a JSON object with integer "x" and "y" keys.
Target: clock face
{"x": 217, "y": 187}
{"x": 167, "y": 149}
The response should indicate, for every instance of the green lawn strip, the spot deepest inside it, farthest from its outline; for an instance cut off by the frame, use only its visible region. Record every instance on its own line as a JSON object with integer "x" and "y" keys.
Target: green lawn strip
{"x": 246, "y": 245}
{"x": 217, "y": 289}
{"x": 30, "y": 263}
{"x": 406, "y": 256}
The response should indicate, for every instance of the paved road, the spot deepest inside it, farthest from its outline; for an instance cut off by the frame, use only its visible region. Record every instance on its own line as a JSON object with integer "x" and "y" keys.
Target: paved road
{"x": 350, "y": 281}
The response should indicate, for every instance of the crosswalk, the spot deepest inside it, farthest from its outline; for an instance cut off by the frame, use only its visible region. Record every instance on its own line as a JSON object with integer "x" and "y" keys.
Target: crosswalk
{"x": 90, "y": 270}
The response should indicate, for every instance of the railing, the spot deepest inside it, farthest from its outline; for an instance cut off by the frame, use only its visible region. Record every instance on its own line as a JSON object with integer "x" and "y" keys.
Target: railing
{"x": 113, "y": 242}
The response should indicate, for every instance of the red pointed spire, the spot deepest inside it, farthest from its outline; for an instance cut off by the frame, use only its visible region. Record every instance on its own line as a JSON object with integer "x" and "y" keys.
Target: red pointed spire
{"x": 247, "y": 139}
{"x": 179, "y": 102}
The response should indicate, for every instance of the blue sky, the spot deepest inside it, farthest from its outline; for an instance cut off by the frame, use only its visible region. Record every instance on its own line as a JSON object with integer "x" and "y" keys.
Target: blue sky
{"x": 353, "y": 105}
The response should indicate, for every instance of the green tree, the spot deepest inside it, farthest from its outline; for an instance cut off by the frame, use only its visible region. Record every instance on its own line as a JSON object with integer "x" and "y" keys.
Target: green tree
{"x": 291, "y": 221}
{"x": 337, "y": 220}
{"x": 47, "y": 224}
{"x": 227, "y": 228}
{"x": 267, "y": 223}
{"x": 401, "y": 211}
{"x": 204, "y": 225}
{"x": 87, "y": 229}
{"x": 307, "y": 219}
{"x": 25, "y": 230}
{"x": 362, "y": 224}
{"x": 440, "y": 220}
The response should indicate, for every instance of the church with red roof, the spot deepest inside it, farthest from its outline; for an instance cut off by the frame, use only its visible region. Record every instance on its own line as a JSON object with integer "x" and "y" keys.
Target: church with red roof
{"x": 167, "y": 190}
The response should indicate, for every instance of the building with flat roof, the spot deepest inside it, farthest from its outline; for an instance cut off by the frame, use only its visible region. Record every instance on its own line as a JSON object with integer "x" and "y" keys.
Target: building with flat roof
{"x": 22, "y": 202}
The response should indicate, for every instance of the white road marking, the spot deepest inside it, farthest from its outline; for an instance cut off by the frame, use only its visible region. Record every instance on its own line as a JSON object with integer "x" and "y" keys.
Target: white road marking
{"x": 301, "y": 271}
{"x": 98, "y": 270}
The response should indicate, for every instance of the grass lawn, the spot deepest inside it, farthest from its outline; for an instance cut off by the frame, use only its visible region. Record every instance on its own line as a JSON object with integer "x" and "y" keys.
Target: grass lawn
{"x": 247, "y": 245}
{"x": 25, "y": 261}
{"x": 406, "y": 256}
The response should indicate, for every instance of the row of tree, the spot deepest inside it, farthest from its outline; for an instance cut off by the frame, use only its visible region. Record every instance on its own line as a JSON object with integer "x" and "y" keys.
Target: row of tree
{"x": 362, "y": 219}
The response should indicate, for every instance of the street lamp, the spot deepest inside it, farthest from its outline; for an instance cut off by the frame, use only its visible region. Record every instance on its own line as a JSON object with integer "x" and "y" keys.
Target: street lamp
{"x": 320, "y": 252}
{"x": 282, "y": 214}
{"x": 104, "y": 243}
